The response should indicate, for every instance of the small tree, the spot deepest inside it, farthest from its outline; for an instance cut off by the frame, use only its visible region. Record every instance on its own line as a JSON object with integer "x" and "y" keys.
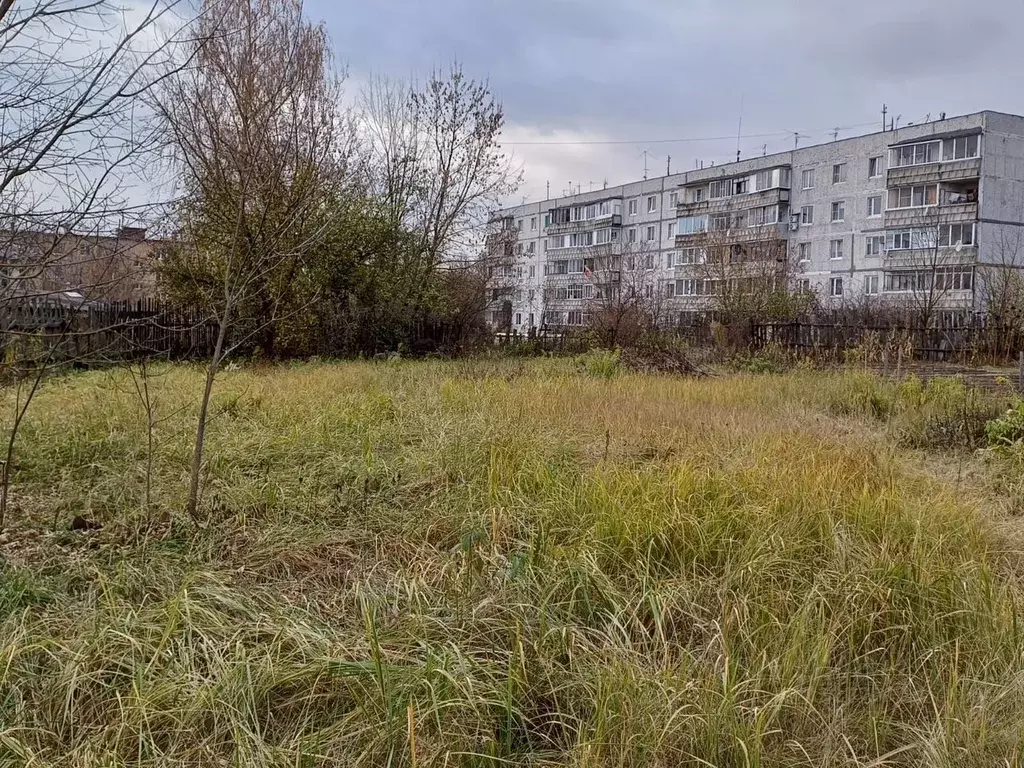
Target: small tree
{"x": 252, "y": 124}
{"x": 744, "y": 271}
{"x": 627, "y": 300}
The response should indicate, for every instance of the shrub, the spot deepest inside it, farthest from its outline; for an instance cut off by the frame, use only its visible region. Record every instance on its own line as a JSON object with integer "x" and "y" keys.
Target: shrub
{"x": 944, "y": 412}
{"x": 771, "y": 358}
{"x": 600, "y": 363}
{"x": 658, "y": 353}
{"x": 1007, "y": 431}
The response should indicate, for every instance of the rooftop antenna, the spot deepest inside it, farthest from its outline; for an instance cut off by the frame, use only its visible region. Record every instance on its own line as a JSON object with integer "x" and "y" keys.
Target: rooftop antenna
{"x": 644, "y": 153}
{"x": 796, "y": 138}
{"x": 764, "y": 150}
{"x": 885, "y": 111}
{"x": 739, "y": 129}
{"x": 548, "y": 194}
{"x": 835, "y": 134}
{"x": 668, "y": 166}
{"x": 591, "y": 186}
{"x": 896, "y": 123}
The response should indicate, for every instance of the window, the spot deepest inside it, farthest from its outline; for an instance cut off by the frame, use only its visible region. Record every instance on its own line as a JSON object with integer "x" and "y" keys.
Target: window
{"x": 875, "y": 205}
{"x": 670, "y": 288}
{"x": 804, "y": 251}
{"x": 532, "y": 247}
{"x": 740, "y": 186}
{"x": 692, "y": 225}
{"x": 575, "y": 317}
{"x": 839, "y": 210}
{"x": 547, "y": 220}
{"x": 533, "y": 271}
{"x": 951, "y": 235}
{"x": 631, "y": 235}
{"x": 911, "y": 239}
{"x": 807, "y": 215}
{"x": 871, "y": 285}
{"x": 913, "y": 197}
{"x": 839, "y": 173}
{"x": 651, "y": 234}
{"x": 807, "y": 179}
{"x": 673, "y": 200}
{"x": 670, "y": 259}
{"x": 769, "y": 214}
{"x": 720, "y": 189}
{"x": 905, "y": 281}
{"x": 835, "y": 286}
{"x": 531, "y": 319}
{"x": 954, "y": 278}
{"x": 835, "y": 249}
{"x": 960, "y": 148}
{"x": 691, "y": 256}
{"x": 803, "y": 285}
{"x": 652, "y": 204}
{"x": 519, "y": 318}
{"x": 875, "y": 245}
{"x": 689, "y": 287}
{"x": 670, "y": 230}
{"x": 696, "y": 195}
{"x": 632, "y": 207}
{"x": 519, "y": 225}
{"x": 874, "y": 169}
{"x": 720, "y": 222}
{"x": 533, "y": 223}
{"x": 765, "y": 180}
{"x": 914, "y": 154}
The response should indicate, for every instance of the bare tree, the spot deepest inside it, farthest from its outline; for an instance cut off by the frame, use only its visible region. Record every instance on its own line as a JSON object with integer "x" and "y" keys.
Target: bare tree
{"x": 626, "y": 299}
{"x": 435, "y": 155}
{"x": 253, "y": 124}
{"x": 74, "y": 142}
{"x": 742, "y": 271}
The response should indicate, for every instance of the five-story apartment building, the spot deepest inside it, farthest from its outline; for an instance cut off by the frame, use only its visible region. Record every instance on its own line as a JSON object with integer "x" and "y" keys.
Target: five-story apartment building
{"x": 918, "y": 215}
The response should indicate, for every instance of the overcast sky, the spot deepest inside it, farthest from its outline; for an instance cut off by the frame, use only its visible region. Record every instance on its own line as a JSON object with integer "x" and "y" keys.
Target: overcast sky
{"x": 644, "y": 71}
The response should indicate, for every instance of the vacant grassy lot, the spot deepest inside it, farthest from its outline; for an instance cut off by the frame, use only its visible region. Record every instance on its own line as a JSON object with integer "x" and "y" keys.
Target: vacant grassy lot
{"x": 494, "y": 564}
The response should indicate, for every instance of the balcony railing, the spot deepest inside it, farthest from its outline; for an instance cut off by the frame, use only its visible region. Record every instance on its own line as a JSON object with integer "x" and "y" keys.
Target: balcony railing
{"x": 736, "y": 202}
{"x": 950, "y": 170}
{"x": 950, "y": 213}
{"x": 608, "y": 220}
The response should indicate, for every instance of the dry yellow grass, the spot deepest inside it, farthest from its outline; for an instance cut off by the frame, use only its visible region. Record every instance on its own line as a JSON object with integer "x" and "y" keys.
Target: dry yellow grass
{"x": 497, "y": 563}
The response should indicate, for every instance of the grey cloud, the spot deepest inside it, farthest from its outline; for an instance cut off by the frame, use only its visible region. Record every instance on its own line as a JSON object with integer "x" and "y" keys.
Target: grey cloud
{"x": 645, "y": 69}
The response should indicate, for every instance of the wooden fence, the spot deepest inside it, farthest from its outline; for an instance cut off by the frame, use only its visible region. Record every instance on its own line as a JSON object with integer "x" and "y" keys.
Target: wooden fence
{"x": 101, "y": 333}
{"x": 969, "y": 340}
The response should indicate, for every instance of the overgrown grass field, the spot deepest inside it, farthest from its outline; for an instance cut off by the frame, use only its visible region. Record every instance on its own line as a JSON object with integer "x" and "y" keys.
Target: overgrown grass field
{"x": 498, "y": 563}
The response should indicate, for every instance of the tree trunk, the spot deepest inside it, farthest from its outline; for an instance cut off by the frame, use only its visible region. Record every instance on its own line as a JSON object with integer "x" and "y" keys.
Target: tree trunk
{"x": 197, "y": 452}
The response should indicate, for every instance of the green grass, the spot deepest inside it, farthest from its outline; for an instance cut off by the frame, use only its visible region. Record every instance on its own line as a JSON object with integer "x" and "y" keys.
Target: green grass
{"x": 497, "y": 563}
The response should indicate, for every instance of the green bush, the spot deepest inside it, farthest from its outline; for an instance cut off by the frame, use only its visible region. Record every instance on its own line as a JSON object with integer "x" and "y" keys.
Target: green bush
{"x": 600, "y": 363}
{"x": 1007, "y": 431}
{"x": 944, "y": 412}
